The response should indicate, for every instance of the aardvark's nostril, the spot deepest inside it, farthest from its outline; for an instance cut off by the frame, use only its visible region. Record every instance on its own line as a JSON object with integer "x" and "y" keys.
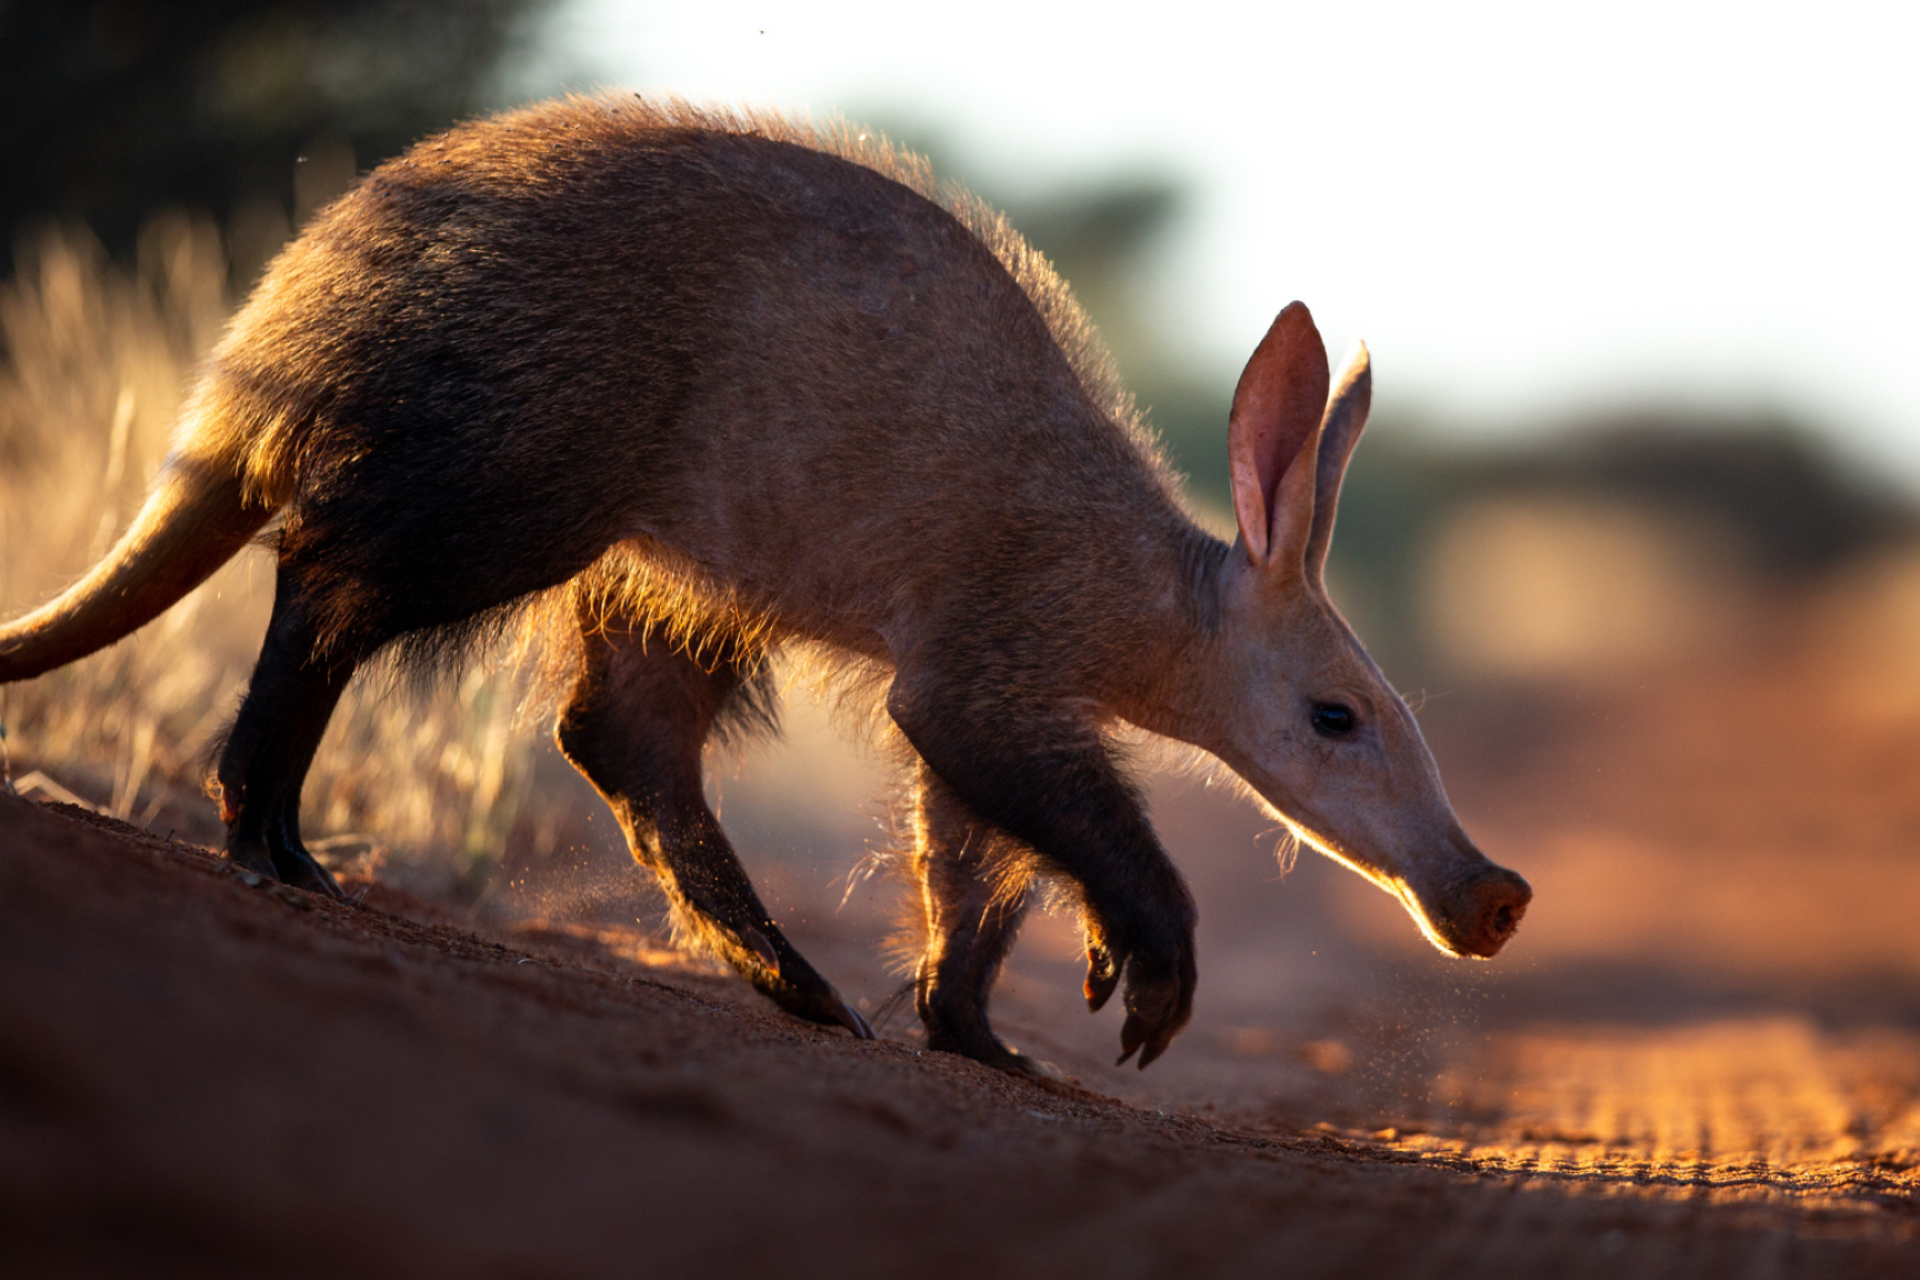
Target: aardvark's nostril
{"x": 1502, "y": 901}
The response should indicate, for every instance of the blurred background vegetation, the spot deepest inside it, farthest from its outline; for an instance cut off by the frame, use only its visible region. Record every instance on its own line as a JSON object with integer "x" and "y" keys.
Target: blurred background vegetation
{"x": 251, "y": 111}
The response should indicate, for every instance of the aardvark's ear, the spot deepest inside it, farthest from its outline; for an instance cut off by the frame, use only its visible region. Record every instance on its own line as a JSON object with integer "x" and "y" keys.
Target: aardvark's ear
{"x": 1273, "y": 439}
{"x": 1339, "y": 432}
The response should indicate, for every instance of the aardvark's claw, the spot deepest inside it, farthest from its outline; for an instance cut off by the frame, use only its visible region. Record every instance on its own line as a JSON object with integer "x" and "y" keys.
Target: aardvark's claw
{"x": 1155, "y": 1047}
{"x": 311, "y": 875}
{"x": 1037, "y": 1068}
{"x": 783, "y": 976}
{"x": 1156, "y": 1011}
{"x": 1133, "y": 1034}
{"x": 850, "y": 1018}
{"x": 1103, "y": 975}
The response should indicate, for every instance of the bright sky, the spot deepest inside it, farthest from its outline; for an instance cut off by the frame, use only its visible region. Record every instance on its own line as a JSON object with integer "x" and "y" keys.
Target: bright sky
{"x": 1525, "y": 209}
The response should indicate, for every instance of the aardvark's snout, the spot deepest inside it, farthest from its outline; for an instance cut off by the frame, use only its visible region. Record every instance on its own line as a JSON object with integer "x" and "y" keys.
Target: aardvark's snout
{"x": 1490, "y": 908}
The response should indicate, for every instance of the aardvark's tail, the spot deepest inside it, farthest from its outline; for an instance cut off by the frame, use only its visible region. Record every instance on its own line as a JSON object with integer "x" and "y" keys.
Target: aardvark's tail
{"x": 196, "y": 519}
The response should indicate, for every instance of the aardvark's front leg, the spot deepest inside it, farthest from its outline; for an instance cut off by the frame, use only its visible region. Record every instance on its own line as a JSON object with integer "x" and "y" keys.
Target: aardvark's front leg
{"x": 1044, "y": 776}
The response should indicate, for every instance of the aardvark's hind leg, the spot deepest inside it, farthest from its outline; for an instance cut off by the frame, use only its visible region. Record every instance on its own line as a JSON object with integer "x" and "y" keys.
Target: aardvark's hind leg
{"x": 634, "y": 724}
{"x": 266, "y": 756}
{"x": 973, "y": 892}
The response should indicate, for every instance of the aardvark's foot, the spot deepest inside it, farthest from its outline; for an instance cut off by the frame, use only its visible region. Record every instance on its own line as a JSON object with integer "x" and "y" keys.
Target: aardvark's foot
{"x": 781, "y": 974}
{"x": 284, "y": 859}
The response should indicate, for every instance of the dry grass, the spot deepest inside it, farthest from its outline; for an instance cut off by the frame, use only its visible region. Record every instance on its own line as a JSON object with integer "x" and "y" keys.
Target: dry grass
{"x": 97, "y": 363}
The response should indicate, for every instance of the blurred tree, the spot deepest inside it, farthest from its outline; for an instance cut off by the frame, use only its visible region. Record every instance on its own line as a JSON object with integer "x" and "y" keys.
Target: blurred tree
{"x": 111, "y": 109}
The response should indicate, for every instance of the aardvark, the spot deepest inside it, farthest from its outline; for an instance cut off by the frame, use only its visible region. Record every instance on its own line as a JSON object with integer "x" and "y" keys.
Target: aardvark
{"x": 668, "y": 389}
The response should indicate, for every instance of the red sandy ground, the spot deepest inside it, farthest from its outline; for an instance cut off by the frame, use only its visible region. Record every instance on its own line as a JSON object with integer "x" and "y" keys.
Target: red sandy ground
{"x": 1708, "y": 1064}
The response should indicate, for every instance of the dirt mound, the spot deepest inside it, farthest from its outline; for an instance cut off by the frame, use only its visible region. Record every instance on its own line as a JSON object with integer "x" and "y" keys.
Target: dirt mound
{"x": 204, "y": 1074}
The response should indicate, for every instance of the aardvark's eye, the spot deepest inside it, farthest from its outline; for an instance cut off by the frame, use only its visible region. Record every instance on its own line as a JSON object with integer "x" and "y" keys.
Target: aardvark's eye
{"x": 1332, "y": 719}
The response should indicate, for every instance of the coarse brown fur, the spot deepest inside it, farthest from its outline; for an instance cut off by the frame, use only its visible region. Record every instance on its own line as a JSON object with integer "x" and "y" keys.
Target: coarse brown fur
{"x": 666, "y": 389}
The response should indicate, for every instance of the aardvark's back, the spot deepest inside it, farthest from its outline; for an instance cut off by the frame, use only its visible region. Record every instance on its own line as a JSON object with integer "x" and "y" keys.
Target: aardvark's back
{"x": 598, "y": 321}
